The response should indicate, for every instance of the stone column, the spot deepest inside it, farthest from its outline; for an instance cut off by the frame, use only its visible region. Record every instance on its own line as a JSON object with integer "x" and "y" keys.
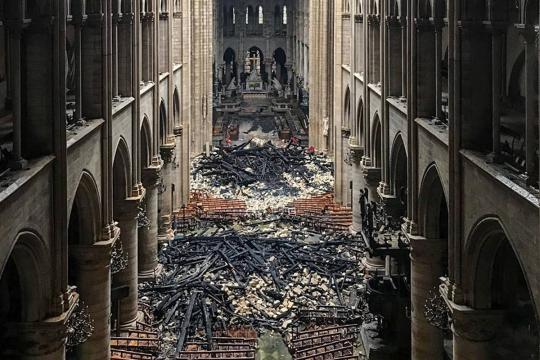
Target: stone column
{"x": 79, "y": 23}
{"x": 44, "y": 340}
{"x": 127, "y": 314}
{"x": 531, "y": 120}
{"x": 39, "y": 340}
{"x": 15, "y": 36}
{"x": 92, "y": 264}
{"x": 404, "y": 55}
{"x": 148, "y": 236}
{"x": 426, "y": 268}
{"x": 116, "y": 18}
{"x": 473, "y": 330}
{"x": 438, "y": 26}
{"x": 496, "y": 68}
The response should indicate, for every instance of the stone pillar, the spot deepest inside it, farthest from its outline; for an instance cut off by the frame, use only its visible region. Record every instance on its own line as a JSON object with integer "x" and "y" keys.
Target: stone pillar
{"x": 473, "y": 330}
{"x": 39, "y": 340}
{"x": 79, "y": 23}
{"x": 148, "y": 236}
{"x": 356, "y": 156}
{"x": 15, "y": 37}
{"x": 128, "y": 307}
{"x": 115, "y": 74}
{"x": 44, "y": 340}
{"x": 92, "y": 264}
{"x": 438, "y": 26}
{"x": 496, "y": 72}
{"x": 531, "y": 120}
{"x": 404, "y": 56}
{"x": 426, "y": 268}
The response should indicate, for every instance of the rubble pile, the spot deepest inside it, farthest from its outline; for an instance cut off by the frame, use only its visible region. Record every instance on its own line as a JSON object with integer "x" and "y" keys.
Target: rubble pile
{"x": 320, "y": 212}
{"x": 264, "y": 175}
{"x": 220, "y": 277}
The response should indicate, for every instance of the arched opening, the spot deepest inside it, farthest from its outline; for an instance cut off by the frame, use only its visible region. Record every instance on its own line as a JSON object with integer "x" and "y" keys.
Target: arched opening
{"x": 430, "y": 263}
{"x": 146, "y": 144}
{"x": 254, "y": 65}
{"x": 125, "y": 211}
{"x": 399, "y": 175}
{"x": 360, "y": 123}
{"x": 163, "y": 131}
{"x": 24, "y": 288}
{"x": 84, "y": 230}
{"x": 176, "y": 108}
{"x": 121, "y": 174}
{"x": 260, "y": 15}
{"x": 280, "y": 71}
{"x": 230, "y": 71}
{"x": 377, "y": 150}
{"x": 497, "y": 282}
{"x": 24, "y": 282}
{"x": 346, "y": 123}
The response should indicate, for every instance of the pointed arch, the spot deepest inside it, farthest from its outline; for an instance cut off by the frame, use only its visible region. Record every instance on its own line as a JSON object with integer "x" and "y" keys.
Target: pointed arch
{"x": 121, "y": 172}
{"x": 146, "y": 143}
{"x": 398, "y": 161}
{"x": 162, "y": 122}
{"x": 25, "y": 280}
{"x": 376, "y": 140}
{"x": 176, "y": 108}
{"x": 495, "y": 279}
{"x": 360, "y": 122}
{"x": 347, "y": 108}
{"x": 433, "y": 205}
{"x": 84, "y": 217}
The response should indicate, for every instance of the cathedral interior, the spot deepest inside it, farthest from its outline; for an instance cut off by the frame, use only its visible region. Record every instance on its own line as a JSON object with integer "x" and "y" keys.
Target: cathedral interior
{"x": 278, "y": 179}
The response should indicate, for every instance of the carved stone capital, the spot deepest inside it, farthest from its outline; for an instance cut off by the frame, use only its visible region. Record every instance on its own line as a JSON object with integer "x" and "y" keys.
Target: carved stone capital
{"x": 475, "y": 325}
{"x": 426, "y": 251}
{"x": 40, "y": 339}
{"x": 92, "y": 257}
{"x": 128, "y": 208}
{"x": 151, "y": 176}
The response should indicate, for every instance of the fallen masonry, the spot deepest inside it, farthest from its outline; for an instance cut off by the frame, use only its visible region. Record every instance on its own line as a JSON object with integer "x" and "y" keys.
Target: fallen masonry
{"x": 218, "y": 278}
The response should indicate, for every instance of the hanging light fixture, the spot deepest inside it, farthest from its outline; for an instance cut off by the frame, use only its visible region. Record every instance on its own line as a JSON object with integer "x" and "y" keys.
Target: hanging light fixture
{"x": 119, "y": 258}
{"x": 80, "y": 326}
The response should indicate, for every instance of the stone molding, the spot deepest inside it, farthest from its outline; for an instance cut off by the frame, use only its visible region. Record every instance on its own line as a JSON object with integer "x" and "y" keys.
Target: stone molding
{"x": 426, "y": 251}
{"x": 475, "y": 325}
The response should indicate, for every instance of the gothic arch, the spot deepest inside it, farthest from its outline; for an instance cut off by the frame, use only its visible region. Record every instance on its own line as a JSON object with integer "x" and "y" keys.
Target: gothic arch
{"x": 176, "y": 108}
{"x": 121, "y": 172}
{"x": 360, "y": 122}
{"x": 376, "y": 140}
{"x": 398, "y": 175}
{"x": 25, "y": 283}
{"x": 146, "y": 143}
{"x": 84, "y": 217}
{"x": 530, "y": 15}
{"x": 494, "y": 279}
{"x": 347, "y": 108}
{"x": 162, "y": 121}
{"x": 433, "y": 205}
{"x": 425, "y": 9}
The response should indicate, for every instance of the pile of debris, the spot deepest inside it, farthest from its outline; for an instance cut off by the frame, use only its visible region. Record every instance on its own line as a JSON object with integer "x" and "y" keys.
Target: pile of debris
{"x": 264, "y": 175}
{"x": 320, "y": 212}
{"x": 220, "y": 277}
